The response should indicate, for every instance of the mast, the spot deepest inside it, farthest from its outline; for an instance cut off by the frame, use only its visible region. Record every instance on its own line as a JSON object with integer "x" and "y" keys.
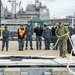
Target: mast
{"x": 13, "y": 7}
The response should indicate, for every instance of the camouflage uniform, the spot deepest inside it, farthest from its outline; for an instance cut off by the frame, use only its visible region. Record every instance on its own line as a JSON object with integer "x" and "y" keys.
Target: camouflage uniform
{"x": 47, "y": 36}
{"x": 63, "y": 40}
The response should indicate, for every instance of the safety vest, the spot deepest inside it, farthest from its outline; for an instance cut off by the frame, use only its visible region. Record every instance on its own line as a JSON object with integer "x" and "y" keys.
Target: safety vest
{"x": 21, "y": 32}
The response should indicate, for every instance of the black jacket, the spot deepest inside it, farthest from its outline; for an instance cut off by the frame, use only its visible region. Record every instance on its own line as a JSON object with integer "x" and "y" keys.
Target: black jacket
{"x": 53, "y": 31}
{"x": 70, "y": 31}
{"x": 38, "y": 31}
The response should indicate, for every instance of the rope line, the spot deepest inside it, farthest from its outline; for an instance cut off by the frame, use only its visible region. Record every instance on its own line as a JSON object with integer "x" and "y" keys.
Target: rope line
{"x": 70, "y": 55}
{"x": 52, "y": 47}
{"x": 69, "y": 60}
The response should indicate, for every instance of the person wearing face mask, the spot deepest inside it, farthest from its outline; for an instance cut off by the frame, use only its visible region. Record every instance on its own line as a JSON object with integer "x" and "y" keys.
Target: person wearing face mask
{"x": 21, "y": 36}
{"x": 5, "y": 38}
{"x": 61, "y": 30}
{"x": 69, "y": 46}
{"x": 54, "y": 38}
{"x": 29, "y": 33}
{"x": 38, "y": 30}
{"x": 47, "y": 34}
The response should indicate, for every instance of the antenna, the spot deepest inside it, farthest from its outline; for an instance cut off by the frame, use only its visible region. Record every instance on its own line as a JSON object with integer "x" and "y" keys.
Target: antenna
{"x": 13, "y": 7}
{"x": 20, "y": 5}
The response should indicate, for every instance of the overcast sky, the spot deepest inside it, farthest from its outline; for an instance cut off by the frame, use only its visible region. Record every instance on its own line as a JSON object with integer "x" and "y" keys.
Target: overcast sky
{"x": 57, "y": 8}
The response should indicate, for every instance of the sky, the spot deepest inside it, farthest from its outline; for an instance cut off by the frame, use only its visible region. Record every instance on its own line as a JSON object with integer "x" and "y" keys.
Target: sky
{"x": 57, "y": 8}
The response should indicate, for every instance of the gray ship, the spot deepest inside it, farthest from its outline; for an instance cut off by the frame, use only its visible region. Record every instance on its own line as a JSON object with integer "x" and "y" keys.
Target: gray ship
{"x": 32, "y": 11}
{"x": 14, "y": 19}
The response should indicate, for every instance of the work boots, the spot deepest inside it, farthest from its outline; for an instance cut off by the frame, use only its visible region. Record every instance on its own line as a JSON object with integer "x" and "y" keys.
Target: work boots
{"x": 63, "y": 55}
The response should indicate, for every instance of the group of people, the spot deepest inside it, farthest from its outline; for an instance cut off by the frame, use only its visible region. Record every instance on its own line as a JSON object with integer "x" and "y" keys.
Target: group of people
{"x": 47, "y": 33}
{"x": 28, "y": 33}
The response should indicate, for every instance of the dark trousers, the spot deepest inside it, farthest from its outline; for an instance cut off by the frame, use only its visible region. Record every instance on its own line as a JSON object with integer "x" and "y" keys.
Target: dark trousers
{"x": 54, "y": 40}
{"x": 5, "y": 41}
{"x": 47, "y": 43}
{"x": 69, "y": 46}
{"x": 29, "y": 39}
{"x": 21, "y": 44}
{"x": 38, "y": 42}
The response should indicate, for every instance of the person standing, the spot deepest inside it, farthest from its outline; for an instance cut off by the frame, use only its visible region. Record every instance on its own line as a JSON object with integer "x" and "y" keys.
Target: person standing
{"x": 47, "y": 36}
{"x": 29, "y": 33}
{"x": 74, "y": 29}
{"x": 69, "y": 46}
{"x": 54, "y": 38}
{"x": 61, "y": 30}
{"x": 5, "y": 38}
{"x": 38, "y": 32}
{"x": 21, "y": 36}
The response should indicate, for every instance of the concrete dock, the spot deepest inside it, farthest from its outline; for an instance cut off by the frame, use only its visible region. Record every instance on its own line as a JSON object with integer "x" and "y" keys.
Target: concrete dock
{"x": 13, "y": 50}
{"x": 34, "y": 64}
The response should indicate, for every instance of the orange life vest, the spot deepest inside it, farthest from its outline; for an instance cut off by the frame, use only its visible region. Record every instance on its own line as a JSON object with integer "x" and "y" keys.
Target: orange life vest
{"x": 21, "y": 32}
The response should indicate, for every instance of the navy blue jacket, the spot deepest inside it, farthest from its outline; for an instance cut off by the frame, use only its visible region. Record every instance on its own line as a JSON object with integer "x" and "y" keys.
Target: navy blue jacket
{"x": 74, "y": 31}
